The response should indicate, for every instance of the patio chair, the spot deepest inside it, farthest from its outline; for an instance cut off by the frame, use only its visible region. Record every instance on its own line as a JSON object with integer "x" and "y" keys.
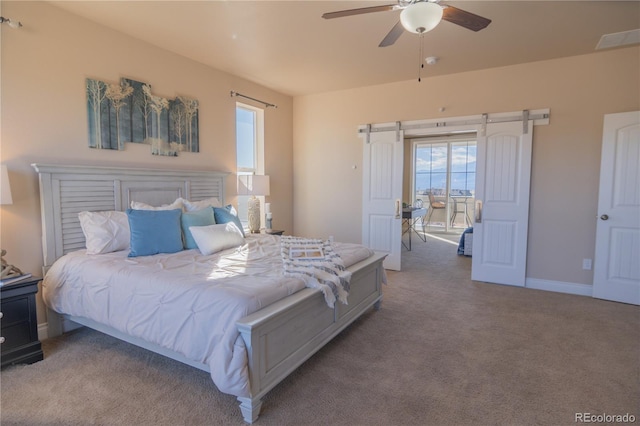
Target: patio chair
{"x": 434, "y": 205}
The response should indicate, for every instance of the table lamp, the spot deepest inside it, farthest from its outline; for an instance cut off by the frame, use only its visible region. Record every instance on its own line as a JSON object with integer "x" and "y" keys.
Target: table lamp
{"x": 253, "y": 185}
{"x": 7, "y": 271}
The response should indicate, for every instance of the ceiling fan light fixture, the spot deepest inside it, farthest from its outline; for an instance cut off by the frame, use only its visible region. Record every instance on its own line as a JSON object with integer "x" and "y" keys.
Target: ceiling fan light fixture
{"x": 421, "y": 17}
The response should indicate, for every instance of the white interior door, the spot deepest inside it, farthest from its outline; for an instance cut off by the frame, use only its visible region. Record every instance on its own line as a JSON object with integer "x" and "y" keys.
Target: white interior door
{"x": 382, "y": 194}
{"x": 616, "y": 274}
{"x": 502, "y": 204}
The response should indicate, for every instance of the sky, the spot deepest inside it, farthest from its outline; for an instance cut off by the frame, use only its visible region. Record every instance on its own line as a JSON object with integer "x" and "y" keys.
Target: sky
{"x": 431, "y": 166}
{"x": 245, "y": 137}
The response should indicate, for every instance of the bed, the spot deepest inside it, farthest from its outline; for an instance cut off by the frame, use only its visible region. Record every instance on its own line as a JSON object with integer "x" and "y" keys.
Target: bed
{"x": 283, "y": 326}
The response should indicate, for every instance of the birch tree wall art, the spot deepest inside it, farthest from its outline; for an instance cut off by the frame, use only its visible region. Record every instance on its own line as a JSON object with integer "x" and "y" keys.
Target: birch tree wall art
{"x": 131, "y": 112}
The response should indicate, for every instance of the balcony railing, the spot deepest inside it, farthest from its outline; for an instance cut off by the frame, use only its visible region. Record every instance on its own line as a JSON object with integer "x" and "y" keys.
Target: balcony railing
{"x": 457, "y": 214}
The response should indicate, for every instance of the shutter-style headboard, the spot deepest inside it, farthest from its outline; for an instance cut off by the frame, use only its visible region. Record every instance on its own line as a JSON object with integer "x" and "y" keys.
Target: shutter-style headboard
{"x": 67, "y": 190}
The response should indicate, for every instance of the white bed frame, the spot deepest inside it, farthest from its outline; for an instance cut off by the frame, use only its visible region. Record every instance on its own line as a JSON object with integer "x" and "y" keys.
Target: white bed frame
{"x": 279, "y": 337}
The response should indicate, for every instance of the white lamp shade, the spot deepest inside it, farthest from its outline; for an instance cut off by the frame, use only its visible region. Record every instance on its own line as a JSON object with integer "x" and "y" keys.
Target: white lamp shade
{"x": 253, "y": 185}
{"x": 5, "y": 187}
{"x": 421, "y": 17}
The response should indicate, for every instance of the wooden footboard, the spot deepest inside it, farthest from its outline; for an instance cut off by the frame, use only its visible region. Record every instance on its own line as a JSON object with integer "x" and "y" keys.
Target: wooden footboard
{"x": 280, "y": 337}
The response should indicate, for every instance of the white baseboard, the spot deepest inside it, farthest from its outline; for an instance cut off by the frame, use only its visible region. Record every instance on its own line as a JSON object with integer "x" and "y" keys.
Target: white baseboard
{"x": 559, "y": 286}
{"x": 67, "y": 325}
{"x": 43, "y": 331}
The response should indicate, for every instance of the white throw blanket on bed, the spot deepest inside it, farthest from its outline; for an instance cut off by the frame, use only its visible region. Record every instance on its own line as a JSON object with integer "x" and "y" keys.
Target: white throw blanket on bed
{"x": 327, "y": 273}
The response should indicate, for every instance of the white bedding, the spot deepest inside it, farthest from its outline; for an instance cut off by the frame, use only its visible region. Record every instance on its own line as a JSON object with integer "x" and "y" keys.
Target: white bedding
{"x": 184, "y": 301}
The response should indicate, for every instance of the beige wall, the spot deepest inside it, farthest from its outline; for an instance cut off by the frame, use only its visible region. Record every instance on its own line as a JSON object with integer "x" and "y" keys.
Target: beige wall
{"x": 44, "y": 119}
{"x": 315, "y": 164}
{"x": 566, "y": 153}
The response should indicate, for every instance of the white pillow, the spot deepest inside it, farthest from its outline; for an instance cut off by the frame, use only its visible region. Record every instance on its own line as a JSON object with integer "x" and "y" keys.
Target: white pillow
{"x": 106, "y": 231}
{"x": 214, "y": 238}
{"x": 191, "y": 206}
{"x": 177, "y": 204}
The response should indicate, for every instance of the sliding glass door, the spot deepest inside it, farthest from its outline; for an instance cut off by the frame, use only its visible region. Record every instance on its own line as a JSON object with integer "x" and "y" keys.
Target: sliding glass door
{"x": 444, "y": 178}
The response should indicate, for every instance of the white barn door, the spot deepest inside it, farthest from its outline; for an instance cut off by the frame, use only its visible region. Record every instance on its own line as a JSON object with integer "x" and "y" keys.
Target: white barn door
{"x": 616, "y": 274}
{"x": 382, "y": 194}
{"x": 502, "y": 203}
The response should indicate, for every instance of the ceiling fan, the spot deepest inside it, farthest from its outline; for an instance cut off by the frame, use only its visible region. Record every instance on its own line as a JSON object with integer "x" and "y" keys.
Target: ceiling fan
{"x": 418, "y": 16}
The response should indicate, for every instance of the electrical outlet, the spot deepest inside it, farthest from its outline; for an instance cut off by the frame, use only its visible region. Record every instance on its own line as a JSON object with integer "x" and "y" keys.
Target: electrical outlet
{"x": 586, "y": 264}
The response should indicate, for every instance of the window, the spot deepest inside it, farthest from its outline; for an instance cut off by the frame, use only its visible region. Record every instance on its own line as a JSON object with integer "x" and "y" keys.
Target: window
{"x": 431, "y": 169}
{"x": 446, "y": 169}
{"x": 463, "y": 168}
{"x": 249, "y": 148}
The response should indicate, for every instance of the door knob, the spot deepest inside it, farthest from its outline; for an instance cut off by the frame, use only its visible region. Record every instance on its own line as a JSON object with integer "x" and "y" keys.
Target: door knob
{"x": 604, "y": 217}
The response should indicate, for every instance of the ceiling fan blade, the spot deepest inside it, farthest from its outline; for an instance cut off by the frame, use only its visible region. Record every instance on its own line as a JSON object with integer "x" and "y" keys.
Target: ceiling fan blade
{"x": 465, "y": 19}
{"x": 393, "y": 35}
{"x": 360, "y": 11}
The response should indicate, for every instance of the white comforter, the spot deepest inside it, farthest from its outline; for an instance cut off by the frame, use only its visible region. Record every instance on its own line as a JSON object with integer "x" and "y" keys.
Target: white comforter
{"x": 185, "y": 301}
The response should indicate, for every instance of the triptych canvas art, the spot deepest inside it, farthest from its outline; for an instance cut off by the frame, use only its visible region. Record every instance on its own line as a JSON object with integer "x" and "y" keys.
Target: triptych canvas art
{"x": 130, "y": 112}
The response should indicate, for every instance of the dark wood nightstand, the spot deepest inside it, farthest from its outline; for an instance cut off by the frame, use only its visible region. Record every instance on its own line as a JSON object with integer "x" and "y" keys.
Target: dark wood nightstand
{"x": 19, "y": 341}
{"x": 273, "y": 232}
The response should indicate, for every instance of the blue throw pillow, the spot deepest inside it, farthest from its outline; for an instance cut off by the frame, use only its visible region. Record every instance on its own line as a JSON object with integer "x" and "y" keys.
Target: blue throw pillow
{"x": 224, "y": 215}
{"x": 154, "y": 231}
{"x": 203, "y": 217}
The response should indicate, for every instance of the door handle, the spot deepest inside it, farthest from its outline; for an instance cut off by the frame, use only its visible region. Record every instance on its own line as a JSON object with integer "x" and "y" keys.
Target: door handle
{"x": 398, "y": 216}
{"x": 478, "y": 211}
{"x": 604, "y": 217}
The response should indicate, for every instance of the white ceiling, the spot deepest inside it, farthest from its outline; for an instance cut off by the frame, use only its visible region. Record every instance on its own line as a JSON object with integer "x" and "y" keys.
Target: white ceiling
{"x": 287, "y": 46}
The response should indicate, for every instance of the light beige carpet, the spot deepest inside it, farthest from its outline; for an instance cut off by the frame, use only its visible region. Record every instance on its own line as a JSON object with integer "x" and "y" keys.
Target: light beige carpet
{"x": 443, "y": 350}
